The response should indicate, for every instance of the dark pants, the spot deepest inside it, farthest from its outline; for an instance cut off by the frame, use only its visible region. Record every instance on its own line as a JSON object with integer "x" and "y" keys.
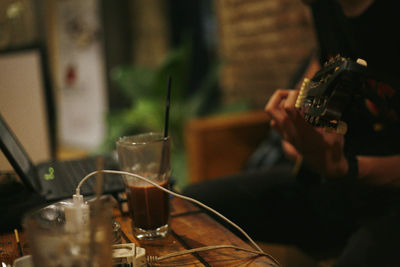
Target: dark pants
{"x": 322, "y": 218}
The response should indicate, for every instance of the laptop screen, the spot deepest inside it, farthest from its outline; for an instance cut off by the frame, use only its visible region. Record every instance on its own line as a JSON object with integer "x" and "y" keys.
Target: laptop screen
{"x": 17, "y": 157}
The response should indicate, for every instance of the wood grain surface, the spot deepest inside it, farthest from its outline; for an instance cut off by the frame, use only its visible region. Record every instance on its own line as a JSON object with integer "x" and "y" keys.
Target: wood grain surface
{"x": 191, "y": 228}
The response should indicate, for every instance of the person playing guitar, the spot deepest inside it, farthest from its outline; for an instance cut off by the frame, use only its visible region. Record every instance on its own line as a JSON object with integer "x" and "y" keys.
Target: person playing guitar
{"x": 344, "y": 201}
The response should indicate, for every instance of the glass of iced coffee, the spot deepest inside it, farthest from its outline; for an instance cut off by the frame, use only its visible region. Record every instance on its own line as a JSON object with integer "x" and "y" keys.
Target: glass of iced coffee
{"x": 147, "y": 155}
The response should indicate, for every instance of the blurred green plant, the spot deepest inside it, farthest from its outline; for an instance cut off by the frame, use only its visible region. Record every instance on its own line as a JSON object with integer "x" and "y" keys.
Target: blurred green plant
{"x": 146, "y": 89}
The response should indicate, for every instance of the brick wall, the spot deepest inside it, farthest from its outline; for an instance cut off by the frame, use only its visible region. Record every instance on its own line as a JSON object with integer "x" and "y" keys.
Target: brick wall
{"x": 263, "y": 43}
{"x": 150, "y": 32}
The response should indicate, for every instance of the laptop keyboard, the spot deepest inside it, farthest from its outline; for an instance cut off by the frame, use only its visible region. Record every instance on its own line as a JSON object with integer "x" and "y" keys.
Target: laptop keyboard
{"x": 62, "y": 180}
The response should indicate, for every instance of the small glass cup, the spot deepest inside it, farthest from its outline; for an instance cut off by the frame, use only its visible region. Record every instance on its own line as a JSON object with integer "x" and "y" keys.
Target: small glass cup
{"x": 148, "y": 155}
{"x": 53, "y": 243}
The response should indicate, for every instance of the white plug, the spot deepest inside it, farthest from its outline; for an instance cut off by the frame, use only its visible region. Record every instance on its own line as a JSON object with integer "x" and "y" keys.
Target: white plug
{"x": 77, "y": 214}
{"x": 129, "y": 254}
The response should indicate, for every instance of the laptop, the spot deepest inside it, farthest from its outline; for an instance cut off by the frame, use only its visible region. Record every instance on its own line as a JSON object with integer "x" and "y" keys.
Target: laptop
{"x": 56, "y": 180}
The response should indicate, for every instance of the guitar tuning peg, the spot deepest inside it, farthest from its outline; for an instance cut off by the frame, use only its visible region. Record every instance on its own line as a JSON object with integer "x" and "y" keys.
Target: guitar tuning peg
{"x": 362, "y": 62}
{"x": 314, "y": 102}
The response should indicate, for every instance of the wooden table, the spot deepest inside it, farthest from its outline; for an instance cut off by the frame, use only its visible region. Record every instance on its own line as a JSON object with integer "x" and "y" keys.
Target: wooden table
{"x": 191, "y": 227}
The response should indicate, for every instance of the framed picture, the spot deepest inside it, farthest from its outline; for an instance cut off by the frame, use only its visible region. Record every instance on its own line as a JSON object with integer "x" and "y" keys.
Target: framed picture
{"x": 26, "y": 101}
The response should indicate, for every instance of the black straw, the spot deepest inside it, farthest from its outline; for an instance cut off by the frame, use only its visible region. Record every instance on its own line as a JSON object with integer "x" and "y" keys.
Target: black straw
{"x": 166, "y": 121}
{"x": 167, "y": 102}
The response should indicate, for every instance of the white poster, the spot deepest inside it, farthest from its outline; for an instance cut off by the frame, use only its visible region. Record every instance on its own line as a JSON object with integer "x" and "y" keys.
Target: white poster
{"x": 80, "y": 77}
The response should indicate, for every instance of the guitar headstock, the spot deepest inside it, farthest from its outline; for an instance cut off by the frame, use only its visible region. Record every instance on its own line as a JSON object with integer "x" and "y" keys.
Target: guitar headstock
{"x": 323, "y": 98}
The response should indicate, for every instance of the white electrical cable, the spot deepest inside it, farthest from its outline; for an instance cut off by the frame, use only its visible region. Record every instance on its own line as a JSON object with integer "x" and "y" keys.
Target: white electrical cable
{"x": 155, "y": 259}
{"x": 260, "y": 251}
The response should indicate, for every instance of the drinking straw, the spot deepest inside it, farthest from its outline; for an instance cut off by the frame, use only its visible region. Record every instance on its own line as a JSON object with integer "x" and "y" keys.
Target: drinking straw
{"x": 166, "y": 122}
{"x": 94, "y": 224}
{"x": 167, "y": 103}
{"x": 18, "y": 243}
